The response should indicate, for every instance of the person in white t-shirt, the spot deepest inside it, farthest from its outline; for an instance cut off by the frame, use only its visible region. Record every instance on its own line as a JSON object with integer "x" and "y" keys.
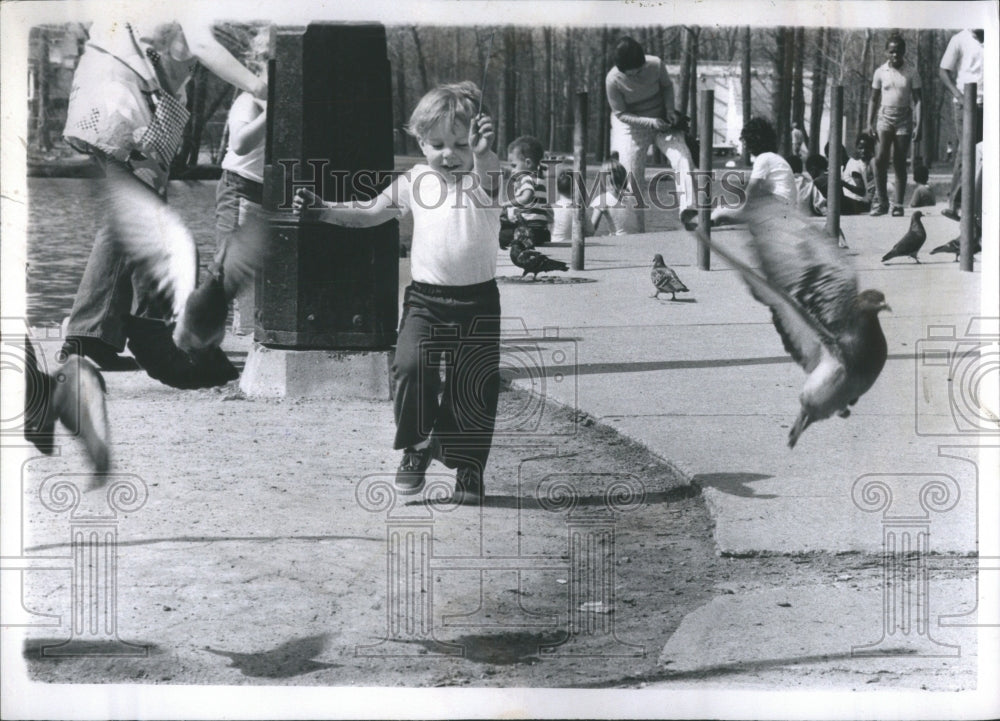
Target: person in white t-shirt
{"x": 771, "y": 175}
{"x": 563, "y": 209}
{"x": 240, "y": 189}
{"x": 962, "y": 63}
{"x": 456, "y": 222}
{"x": 614, "y": 203}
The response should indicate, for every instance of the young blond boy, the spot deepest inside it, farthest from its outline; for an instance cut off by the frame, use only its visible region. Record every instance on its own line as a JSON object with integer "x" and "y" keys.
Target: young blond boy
{"x": 452, "y": 307}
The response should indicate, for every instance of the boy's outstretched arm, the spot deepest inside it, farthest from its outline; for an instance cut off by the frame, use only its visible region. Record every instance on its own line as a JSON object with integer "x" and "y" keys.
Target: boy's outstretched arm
{"x": 485, "y": 162}
{"x": 353, "y": 214}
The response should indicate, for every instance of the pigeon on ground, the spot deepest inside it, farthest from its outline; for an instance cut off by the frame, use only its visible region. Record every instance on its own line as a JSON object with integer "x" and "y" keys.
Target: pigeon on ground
{"x": 827, "y": 326}
{"x": 155, "y": 239}
{"x": 524, "y": 256}
{"x": 910, "y": 243}
{"x": 954, "y": 246}
{"x": 665, "y": 279}
{"x": 74, "y": 395}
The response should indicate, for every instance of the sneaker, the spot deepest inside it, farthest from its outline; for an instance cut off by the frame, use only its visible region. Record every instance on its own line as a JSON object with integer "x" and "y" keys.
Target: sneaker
{"x": 410, "y": 474}
{"x": 897, "y": 211}
{"x": 468, "y": 486}
{"x": 951, "y": 213}
{"x": 878, "y": 210}
{"x": 104, "y": 355}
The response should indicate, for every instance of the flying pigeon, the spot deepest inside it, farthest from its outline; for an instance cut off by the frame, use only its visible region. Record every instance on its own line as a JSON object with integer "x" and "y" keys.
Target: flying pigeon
{"x": 910, "y": 243}
{"x": 828, "y": 327}
{"x": 954, "y": 246}
{"x": 665, "y": 279}
{"x": 155, "y": 239}
{"x": 75, "y": 395}
{"x": 524, "y": 256}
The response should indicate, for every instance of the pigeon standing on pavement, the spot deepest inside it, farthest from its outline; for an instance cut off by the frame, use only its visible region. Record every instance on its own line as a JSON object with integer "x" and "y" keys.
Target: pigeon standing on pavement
{"x": 524, "y": 256}
{"x": 955, "y": 246}
{"x": 155, "y": 239}
{"x": 828, "y": 327}
{"x": 910, "y": 243}
{"x": 665, "y": 279}
{"x": 74, "y": 395}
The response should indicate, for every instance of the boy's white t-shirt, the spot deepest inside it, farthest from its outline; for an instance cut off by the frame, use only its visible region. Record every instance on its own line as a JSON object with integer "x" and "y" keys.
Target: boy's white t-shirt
{"x": 455, "y": 229}
{"x": 621, "y": 212}
{"x": 562, "y": 220}
{"x": 775, "y": 175}
{"x": 855, "y": 165}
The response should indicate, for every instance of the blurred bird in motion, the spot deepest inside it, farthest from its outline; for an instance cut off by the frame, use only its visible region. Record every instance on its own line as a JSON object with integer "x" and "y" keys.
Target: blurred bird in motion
{"x": 154, "y": 238}
{"x": 665, "y": 279}
{"x": 524, "y": 255}
{"x": 828, "y": 327}
{"x": 74, "y": 395}
{"x": 911, "y": 242}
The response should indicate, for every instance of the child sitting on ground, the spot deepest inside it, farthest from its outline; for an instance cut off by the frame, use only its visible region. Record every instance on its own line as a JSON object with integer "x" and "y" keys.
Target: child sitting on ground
{"x": 613, "y": 203}
{"x": 771, "y": 174}
{"x": 530, "y": 207}
{"x": 563, "y": 210}
{"x": 453, "y": 264}
{"x": 859, "y": 178}
{"x": 923, "y": 195}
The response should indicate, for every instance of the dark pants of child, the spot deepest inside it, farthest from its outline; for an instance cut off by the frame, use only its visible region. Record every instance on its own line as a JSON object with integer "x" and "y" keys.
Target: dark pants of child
{"x": 458, "y": 326}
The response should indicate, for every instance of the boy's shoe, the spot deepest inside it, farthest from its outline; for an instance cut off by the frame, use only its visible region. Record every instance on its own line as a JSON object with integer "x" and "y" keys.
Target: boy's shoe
{"x": 104, "y": 355}
{"x": 410, "y": 474}
{"x": 689, "y": 218}
{"x": 879, "y": 210}
{"x": 951, "y": 213}
{"x": 897, "y": 211}
{"x": 468, "y": 487}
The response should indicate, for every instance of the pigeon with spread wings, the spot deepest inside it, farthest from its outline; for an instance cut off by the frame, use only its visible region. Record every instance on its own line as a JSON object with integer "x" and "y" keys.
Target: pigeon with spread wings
{"x": 828, "y": 327}
{"x": 155, "y": 239}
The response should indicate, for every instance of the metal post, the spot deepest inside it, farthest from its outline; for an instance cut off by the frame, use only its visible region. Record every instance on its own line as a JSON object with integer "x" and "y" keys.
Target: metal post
{"x": 705, "y": 166}
{"x": 833, "y": 178}
{"x": 968, "y": 151}
{"x": 580, "y": 166}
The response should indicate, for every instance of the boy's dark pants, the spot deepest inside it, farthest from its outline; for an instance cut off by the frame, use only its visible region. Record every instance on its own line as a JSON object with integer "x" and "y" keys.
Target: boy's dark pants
{"x": 459, "y": 326}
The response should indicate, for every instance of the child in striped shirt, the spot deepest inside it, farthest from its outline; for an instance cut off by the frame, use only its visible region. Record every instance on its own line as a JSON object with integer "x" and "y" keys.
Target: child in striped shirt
{"x": 530, "y": 206}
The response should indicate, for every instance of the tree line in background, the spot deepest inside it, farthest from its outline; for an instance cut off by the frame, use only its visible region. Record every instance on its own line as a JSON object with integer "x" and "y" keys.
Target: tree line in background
{"x": 535, "y": 74}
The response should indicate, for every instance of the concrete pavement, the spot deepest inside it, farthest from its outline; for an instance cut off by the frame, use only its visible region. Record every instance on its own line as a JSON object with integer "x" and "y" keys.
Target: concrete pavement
{"x": 705, "y": 383}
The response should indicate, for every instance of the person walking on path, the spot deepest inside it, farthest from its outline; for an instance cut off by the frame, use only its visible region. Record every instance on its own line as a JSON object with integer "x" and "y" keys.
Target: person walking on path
{"x": 641, "y": 97}
{"x": 240, "y": 189}
{"x": 127, "y": 108}
{"x": 894, "y": 118}
{"x": 452, "y": 307}
{"x": 962, "y": 63}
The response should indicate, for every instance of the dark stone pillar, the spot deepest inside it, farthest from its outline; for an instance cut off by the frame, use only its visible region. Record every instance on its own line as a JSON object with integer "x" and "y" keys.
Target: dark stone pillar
{"x": 330, "y": 129}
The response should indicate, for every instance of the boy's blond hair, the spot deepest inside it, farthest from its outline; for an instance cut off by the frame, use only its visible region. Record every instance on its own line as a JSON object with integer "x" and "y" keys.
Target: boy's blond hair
{"x": 452, "y": 103}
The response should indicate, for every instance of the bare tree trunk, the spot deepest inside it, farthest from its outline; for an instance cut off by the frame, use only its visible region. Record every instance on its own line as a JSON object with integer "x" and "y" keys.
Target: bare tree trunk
{"x": 818, "y": 92}
{"x": 693, "y": 82}
{"x": 550, "y": 112}
{"x": 927, "y": 64}
{"x": 569, "y": 96}
{"x": 798, "y": 91}
{"x": 421, "y": 62}
{"x": 783, "y": 89}
{"x": 604, "y": 110}
{"x": 746, "y": 87}
{"x": 507, "y": 112}
{"x": 682, "y": 96}
{"x": 866, "y": 73}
